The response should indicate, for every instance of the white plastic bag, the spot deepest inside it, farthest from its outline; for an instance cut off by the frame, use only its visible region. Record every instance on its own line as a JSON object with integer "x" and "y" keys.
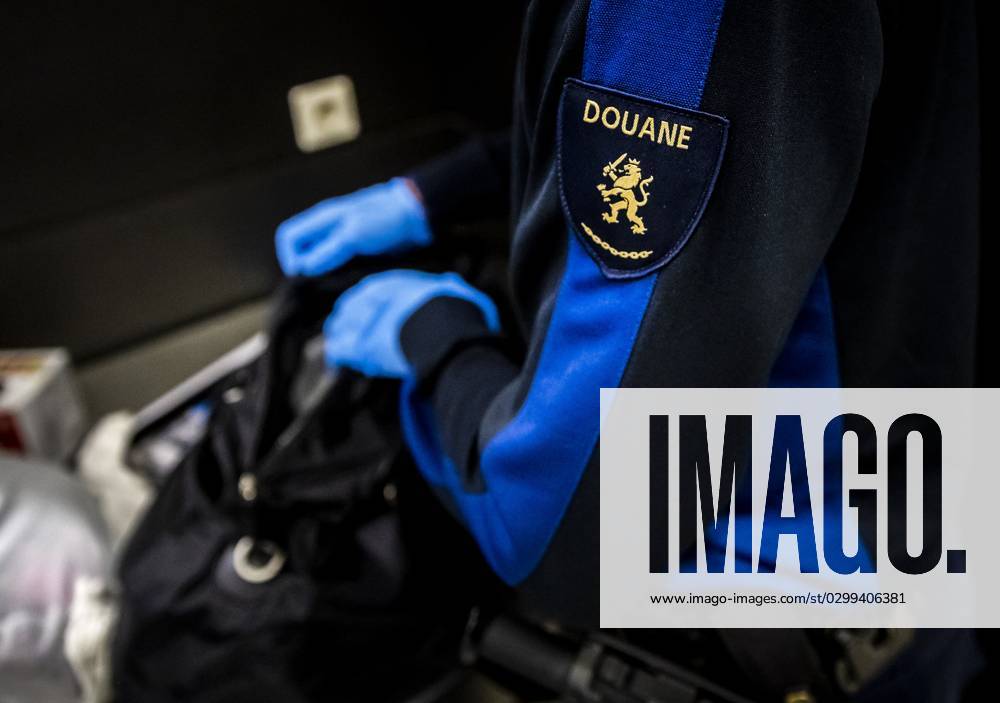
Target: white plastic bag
{"x": 51, "y": 534}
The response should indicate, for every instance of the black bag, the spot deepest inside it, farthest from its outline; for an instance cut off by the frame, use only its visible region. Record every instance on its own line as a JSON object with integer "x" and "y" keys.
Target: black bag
{"x": 295, "y": 555}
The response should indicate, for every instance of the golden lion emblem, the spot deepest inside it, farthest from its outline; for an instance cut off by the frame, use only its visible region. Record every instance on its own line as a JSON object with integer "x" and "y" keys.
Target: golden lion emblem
{"x": 623, "y": 183}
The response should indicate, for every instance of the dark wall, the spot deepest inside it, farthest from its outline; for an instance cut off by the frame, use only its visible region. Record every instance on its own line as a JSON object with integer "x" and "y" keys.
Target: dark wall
{"x": 988, "y": 347}
{"x": 148, "y": 153}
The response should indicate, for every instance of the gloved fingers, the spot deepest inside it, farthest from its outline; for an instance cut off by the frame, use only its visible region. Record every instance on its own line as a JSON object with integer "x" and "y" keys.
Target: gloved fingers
{"x": 349, "y": 342}
{"x": 299, "y": 235}
{"x": 357, "y": 332}
{"x": 358, "y": 319}
{"x": 342, "y": 335}
{"x": 342, "y": 350}
{"x": 285, "y": 248}
{"x": 353, "y": 237}
{"x": 317, "y": 218}
{"x": 355, "y": 313}
{"x": 344, "y": 323}
{"x": 367, "y": 294}
{"x": 291, "y": 247}
{"x": 328, "y": 254}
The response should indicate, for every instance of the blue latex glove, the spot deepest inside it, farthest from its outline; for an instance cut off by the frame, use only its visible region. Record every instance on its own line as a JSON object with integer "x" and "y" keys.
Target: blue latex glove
{"x": 383, "y": 218}
{"x": 362, "y": 332}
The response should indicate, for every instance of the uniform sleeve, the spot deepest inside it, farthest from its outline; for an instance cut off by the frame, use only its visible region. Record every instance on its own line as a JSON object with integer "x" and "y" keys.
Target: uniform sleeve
{"x": 468, "y": 183}
{"x": 745, "y": 303}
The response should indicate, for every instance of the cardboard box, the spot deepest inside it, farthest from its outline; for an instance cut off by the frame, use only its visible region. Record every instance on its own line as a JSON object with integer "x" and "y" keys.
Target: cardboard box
{"x": 41, "y": 413}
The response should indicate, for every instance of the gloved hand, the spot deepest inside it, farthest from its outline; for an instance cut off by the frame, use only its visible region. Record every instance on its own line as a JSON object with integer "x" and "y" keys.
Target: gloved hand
{"x": 383, "y": 218}
{"x": 363, "y": 330}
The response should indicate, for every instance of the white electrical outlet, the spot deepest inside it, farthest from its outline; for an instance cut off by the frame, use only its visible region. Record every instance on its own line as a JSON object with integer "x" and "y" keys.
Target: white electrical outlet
{"x": 324, "y": 113}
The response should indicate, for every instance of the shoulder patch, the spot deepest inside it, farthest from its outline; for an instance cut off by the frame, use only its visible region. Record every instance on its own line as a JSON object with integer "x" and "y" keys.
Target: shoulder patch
{"x": 634, "y": 175}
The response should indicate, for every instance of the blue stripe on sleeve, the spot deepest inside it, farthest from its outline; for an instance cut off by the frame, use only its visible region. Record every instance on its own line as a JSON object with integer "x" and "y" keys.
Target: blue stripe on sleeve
{"x": 809, "y": 357}
{"x": 660, "y": 50}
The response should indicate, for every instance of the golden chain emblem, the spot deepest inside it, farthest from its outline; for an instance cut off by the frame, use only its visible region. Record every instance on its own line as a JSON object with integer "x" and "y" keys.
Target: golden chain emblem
{"x": 636, "y": 255}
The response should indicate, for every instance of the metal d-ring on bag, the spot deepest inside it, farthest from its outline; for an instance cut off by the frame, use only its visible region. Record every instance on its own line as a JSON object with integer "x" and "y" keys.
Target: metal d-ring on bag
{"x": 256, "y": 560}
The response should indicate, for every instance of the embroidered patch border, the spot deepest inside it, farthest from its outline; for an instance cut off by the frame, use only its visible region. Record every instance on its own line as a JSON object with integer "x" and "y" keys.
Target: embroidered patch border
{"x": 635, "y": 175}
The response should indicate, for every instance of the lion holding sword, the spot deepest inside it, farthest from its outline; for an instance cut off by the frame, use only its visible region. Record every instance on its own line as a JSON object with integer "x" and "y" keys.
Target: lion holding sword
{"x": 623, "y": 185}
